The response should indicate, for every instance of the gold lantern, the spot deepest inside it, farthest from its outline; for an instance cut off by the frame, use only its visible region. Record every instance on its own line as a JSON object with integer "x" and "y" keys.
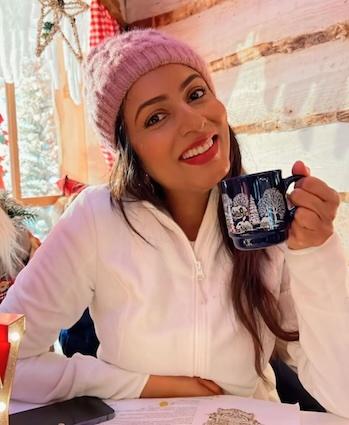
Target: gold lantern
{"x": 11, "y": 332}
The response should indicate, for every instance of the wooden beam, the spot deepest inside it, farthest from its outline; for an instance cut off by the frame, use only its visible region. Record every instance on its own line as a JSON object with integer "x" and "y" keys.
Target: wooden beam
{"x": 114, "y": 9}
{"x": 322, "y": 148}
{"x": 236, "y": 25}
{"x": 309, "y": 120}
{"x": 183, "y": 12}
{"x": 284, "y": 46}
{"x": 283, "y": 92}
{"x": 344, "y": 197}
{"x": 13, "y": 140}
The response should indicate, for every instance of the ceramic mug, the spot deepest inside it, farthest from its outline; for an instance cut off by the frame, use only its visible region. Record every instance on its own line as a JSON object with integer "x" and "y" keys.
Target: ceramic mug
{"x": 256, "y": 209}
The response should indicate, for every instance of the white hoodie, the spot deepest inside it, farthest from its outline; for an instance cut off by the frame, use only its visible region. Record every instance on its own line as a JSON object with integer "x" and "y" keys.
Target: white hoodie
{"x": 163, "y": 308}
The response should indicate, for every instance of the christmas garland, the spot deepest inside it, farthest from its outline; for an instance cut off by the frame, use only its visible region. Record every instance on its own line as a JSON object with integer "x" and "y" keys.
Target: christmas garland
{"x": 14, "y": 210}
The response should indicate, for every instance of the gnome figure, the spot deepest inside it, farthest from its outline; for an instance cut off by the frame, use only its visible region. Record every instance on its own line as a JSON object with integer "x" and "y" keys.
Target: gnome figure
{"x": 17, "y": 244}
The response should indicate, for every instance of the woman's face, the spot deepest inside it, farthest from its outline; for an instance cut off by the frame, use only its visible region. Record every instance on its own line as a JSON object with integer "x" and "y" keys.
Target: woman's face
{"x": 178, "y": 129}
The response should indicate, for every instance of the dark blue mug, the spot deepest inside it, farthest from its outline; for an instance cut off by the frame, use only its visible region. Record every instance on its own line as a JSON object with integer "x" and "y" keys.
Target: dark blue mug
{"x": 256, "y": 209}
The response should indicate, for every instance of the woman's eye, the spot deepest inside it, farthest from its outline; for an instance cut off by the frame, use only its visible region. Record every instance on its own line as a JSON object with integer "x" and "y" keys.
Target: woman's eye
{"x": 154, "y": 119}
{"x": 197, "y": 93}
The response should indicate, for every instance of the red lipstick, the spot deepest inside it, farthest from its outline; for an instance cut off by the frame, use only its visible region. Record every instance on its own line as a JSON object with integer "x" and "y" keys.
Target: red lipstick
{"x": 202, "y": 158}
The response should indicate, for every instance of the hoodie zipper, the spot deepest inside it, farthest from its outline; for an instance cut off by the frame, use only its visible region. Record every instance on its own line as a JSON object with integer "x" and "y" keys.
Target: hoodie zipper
{"x": 200, "y": 276}
{"x": 200, "y": 321}
{"x": 200, "y": 307}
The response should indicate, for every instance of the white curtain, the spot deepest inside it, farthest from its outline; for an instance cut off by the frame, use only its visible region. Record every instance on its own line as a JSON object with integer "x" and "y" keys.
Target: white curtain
{"x": 18, "y": 31}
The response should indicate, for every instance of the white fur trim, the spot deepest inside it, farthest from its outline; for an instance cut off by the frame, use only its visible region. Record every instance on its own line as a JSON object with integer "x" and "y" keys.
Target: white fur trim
{"x": 9, "y": 247}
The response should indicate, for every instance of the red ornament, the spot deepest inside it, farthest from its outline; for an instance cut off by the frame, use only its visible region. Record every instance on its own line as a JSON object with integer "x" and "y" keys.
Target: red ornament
{"x": 69, "y": 186}
{"x": 11, "y": 332}
{"x": 4, "y": 350}
{"x": 8, "y": 321}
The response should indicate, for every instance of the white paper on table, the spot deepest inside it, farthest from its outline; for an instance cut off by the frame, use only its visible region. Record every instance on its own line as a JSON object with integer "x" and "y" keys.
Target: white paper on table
{"x": 195, "y": 410}
{"x": 168, "y": 411}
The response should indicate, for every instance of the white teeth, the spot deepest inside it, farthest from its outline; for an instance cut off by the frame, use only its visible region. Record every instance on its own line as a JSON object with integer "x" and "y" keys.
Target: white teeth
{"x": 198, "y": 150}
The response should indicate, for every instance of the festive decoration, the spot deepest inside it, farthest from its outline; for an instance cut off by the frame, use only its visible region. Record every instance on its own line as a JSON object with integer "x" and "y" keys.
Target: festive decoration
{"x": 2, "y": 173}
{"x": 19, "y": 26}
{"x": 17, "y": 244}
{"x": 69, "y": 186}
{"x": 14, "y": 210}
{"x": 11, "y": 332}
{"x": 3, "y": 141}
{"x": 48, "y": 27}
{"x": 231, "y": 417}
{"x": 39, "y": 150}
{"x": 3, "y": 133}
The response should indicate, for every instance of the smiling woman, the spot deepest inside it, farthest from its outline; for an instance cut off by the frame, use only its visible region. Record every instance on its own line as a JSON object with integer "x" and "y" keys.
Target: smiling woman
{"x": 186, "y": 126}
{"x": 177, "y": 309}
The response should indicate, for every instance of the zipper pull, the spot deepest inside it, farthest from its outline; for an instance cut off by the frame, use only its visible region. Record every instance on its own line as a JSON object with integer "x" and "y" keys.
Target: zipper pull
{"x": 200, "y": 277}
{"x": 199, "y": 272}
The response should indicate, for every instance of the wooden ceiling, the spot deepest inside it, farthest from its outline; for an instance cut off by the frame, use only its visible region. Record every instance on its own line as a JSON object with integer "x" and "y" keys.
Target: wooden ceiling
{"x": 155, "y": 14}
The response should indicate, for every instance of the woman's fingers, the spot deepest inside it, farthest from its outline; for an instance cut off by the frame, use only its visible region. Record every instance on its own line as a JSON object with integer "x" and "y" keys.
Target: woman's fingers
{"x": 317, "y": 205}
{"x": 308, "y": 219}
{"x": 301, "y": 237}
{"x": 320, "y": 189}
{"x": 211, "y": 386}
{"x": 301, "y": 198}
{"x": 179, "y": 386}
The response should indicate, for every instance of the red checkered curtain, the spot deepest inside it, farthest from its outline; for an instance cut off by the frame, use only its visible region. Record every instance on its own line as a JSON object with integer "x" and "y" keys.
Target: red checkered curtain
{"x": 102, "y": 26}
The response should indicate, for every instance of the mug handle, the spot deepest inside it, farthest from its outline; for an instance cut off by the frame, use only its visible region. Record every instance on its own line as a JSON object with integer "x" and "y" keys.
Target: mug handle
{"x": 287, "y": 182}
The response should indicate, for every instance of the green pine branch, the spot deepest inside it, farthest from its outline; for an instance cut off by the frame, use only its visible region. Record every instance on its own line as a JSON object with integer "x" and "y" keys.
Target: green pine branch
{"x": 14, "y": 210}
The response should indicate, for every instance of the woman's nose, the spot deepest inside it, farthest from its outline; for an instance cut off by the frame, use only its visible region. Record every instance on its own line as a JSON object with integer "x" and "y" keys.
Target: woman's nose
{"x": 190, "y": 120}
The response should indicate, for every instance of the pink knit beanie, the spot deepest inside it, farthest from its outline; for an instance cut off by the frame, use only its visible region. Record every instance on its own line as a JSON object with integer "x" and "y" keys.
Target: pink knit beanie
{"x": 113, "y": 66}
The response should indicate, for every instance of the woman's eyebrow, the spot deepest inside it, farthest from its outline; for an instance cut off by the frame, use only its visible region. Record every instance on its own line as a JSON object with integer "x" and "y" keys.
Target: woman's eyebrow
{"x": 150, "y": 102}
{"x": 188, "y": 80}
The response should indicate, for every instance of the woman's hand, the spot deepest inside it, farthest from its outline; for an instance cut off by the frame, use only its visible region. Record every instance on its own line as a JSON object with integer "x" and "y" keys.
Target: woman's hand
{"x": 34, "y": 244}
{"x": 179, "y": 386}
{"x": 317, "y": 206}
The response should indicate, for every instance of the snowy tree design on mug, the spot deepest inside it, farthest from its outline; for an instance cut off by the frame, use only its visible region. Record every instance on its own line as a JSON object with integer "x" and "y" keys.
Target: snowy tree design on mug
{"x": 256, "y": 210}
{"x": 246, "y": 216}
{"x": 240, "y": 212}
{"x": 227, "y": 207}
{"x": 271, "y": 207}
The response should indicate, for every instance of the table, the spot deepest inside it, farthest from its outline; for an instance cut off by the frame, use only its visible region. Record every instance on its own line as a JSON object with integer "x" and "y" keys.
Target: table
{"x": 313, "y": 418}
{"x": 307, "y": 418}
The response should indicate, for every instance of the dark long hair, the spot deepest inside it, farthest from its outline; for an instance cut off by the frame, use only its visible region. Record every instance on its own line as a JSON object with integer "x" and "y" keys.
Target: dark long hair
{"x": 252, "y": 301}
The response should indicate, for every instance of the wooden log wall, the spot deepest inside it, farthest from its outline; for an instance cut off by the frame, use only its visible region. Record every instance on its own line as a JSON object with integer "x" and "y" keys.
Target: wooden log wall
{"x": 282, "y": 70}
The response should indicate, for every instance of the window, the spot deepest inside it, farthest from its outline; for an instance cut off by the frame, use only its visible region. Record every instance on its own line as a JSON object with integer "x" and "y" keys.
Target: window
{"x": 5, "y": 173}
{"x": 29, "y": 153}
